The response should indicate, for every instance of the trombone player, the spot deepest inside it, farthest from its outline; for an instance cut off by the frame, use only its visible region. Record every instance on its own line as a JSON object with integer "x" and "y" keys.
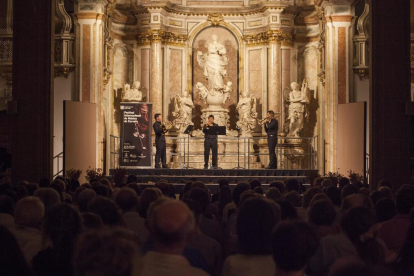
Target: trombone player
{"x": 271, "y": 127}
{"x": 210, "y": 142}
{"x": 160, "y": 145}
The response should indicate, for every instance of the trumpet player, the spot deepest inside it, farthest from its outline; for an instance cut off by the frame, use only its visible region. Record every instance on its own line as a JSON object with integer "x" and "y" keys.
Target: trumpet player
{"x": 160, "y": 145}
{"x": 271, "y": 127}
{"x": 210, "y": 142}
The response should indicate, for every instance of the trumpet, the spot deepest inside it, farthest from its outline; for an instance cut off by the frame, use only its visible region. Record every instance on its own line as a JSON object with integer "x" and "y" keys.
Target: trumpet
{"x": 263, "y": 121}
{"x": 167, "y": 125}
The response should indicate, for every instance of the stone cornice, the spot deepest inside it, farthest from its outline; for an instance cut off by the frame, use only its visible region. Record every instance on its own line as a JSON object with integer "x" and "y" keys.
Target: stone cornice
{"x": 265, "y": 38}
{"x": 162, "y": 36}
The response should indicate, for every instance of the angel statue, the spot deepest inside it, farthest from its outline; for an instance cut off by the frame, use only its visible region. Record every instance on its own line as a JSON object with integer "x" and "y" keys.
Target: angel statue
{"x": 213, "y": 63}
{"x": 247, "y": 114}
{"x": 183, "y": 111}
{"x": 297, "y": 101}
{"x": 203, "y": 91}
{"x": 133, "y": 94}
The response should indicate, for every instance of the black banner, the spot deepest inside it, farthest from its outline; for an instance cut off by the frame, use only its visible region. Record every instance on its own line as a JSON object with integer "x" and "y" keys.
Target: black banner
{"x": 136, "y": 144}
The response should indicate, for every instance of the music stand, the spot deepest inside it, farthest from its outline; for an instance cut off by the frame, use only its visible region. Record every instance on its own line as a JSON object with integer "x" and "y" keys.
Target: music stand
{"x": 238, "y": 150}
{"x": 188, "y": 131}
{"x": 216, "y": 130}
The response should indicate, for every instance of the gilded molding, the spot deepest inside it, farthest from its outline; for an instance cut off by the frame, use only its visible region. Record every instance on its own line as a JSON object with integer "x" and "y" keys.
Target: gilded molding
{"x": 339, "y": 18}
{"x": 265, "y": 38}
{"x": 97, "y": 16}
{"x": 363, "y": 73}
{"x": 215, "y": 19}
{"x": 167, "y": 38}
{"x": 63, "y": 71}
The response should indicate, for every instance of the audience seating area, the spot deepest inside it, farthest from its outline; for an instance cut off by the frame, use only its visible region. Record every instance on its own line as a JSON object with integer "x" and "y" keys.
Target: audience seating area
{"x": 283, "y": 228}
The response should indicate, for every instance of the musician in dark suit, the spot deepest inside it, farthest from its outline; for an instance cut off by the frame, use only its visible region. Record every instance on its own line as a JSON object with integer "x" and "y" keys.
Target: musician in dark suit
{"x": 160, "y": 144}
{"x": 210, "y": 142}
{"x": 271, "y": 127}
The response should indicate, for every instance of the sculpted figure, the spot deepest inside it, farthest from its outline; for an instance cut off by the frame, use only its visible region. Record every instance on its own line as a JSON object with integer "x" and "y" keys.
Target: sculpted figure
{"x": 298, "y": 100}
{"x": 246, "y": 108}
{"x": 133, "y": 94}
{"x": 183, "y": 111}
{"x": 213, "y": 63}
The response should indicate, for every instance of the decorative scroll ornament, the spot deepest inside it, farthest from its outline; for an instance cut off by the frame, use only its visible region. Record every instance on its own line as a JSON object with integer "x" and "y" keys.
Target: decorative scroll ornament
{"x": 215, "y": 19}
{"x": 361, "y": 59}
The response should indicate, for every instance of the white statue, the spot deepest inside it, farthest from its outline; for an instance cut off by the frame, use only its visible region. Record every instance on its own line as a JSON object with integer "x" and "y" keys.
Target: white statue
{"x": 133, "y": 94}
{"x": 214, "y": 63}
{"x": 298, "y": 101}
{"x": 183, "y": 111}
{"x": 247, "y": 114}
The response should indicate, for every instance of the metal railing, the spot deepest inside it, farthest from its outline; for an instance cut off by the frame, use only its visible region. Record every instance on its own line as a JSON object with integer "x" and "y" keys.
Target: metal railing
{"x": 56, "y": 158}
{"x": 291, "y": 152}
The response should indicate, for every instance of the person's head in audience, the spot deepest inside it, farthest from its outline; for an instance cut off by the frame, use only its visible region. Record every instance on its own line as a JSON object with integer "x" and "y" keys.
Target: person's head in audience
{"x": 238, "y": 190}
{"x": 247, "y": 195}
{"x": 342, "y": 182}
{"x": 292, "y": 184}
{"x": 321, "y": 213}
{"x": 334, "y": 195}
{"x": 163, "y": 186}
{"x": 12, "y": 260}
{"x": 59, "y": 181}
{"x": 73, "y": 185}
{"x": 199, "y": 184}
{"x": 274, "y": 194}
{"x": 48, "y": 196}
{"x": 364, "y": 191}
{"x": 318, "y": 182}
{"x": 106, "y": 251}
{"x": 29, "y": 212}
{"x": 404, "y": 200}
{"x": 58, "y": 188}
{"x": 171, "y": 190}
{"x": 44, "y": 183}
{"x": 222, "y": 183}
{"x": 348, "y": 190}
{"x": 134, "y": 186}
{"x": 256, "y": 221}
{"x": 353, "y": 201}
{"x": 196, "y": 209}
{"x": 294, "y": 243}
{"x": 288, "y": 210}
{"x": 91, "y": 221}
{"x": 132, "y": 178}
{"x": 225, "y": 197}
{"x": 294, "y": 198}
{"x": 357, "y": 223}
{"x": 201, "y": 197}
{"x": 278, "y": 185}
{"x": 100, "y": 189}
{"x": 6, "y": 205}
{"x": 20, "y": 190}
{"x": 93, "y": 181}
{"x": 385, "y": 209}
{"x": 327, "y": 183}
{"x": 104, "y": 181}
{"x": 61, "y": 227}
{"x": 308, "y": 195}
{"x": 127, "y": 200}
{"x": 375, "y": 196}
{"x": 385, "y": 183}
{"x": 387, "y": 192}
{"x": 84, "y": 198}
{"x": 186, "y": 189}
{"x": 148, "y": 196}
{"x": 258, "y": 190}
{"x": 255, "y": 183}
{"x": 172, "y": 224}
{"x": 319, "y": 197}
{"x": 31, "y": 188}
{"x": 77, "y": 192}
{"x": 106, "y": 209}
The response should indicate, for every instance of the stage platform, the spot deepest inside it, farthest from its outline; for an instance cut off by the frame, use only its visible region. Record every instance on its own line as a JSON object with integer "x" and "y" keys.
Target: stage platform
{"x": 179, "y": 177}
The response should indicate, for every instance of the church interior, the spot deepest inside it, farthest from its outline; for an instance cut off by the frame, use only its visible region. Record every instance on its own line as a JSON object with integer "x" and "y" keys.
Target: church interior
{"x": 273, "y": 53}
{"x": 109, "y": 110}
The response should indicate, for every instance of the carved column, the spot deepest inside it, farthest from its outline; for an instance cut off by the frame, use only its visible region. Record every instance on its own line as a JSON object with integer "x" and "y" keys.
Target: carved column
{"x": 155, "y": 93}
{"x": 90, "y": 18}
{"x": 339, "y": 32}
{"x": 274, "y": 73}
